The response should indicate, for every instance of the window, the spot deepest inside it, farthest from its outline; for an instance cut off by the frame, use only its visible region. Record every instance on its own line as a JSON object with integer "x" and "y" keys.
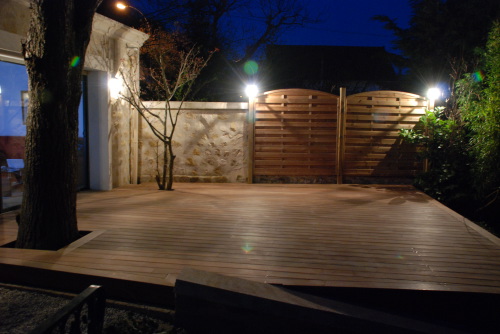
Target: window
{"x": 14, "y": 103}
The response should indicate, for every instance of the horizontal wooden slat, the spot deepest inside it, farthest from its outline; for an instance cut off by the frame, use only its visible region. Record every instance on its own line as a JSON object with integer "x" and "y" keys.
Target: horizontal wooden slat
{"x": 373, "y": 120}
{"x": 291, "y": 131}
{"x": 389, "y": 103}
{"x": 373, "y": 125}
{"x": 278, "y": 116}
{"x": 279, "y": 155}
{"x": 387, "y": 111}
{"x": 277, "y": 109}
{"x": 295, "y": 172}
{"x": 375, "y": 172}
{"x": 325, "y": 163}
{"x": 382, "y": 118}
{"x": 390, "y": 133}
{"x": 293, "y": 124}
{"x": 296, "y": 148}
{"x": 320, "y": 235}
{"x": 262, "y": 139}
{"x": 297, "y": 100}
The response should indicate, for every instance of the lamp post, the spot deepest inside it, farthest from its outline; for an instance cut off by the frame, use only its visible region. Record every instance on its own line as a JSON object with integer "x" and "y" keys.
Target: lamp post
{"x": 251, "y": 91}
{"x": 433, "y": 94}
{"x": 122, "y": 6}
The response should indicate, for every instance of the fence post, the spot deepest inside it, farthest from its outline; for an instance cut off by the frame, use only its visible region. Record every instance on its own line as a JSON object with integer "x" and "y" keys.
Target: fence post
{"x": 251, "y": 137}
{"x": 341, "y": 112}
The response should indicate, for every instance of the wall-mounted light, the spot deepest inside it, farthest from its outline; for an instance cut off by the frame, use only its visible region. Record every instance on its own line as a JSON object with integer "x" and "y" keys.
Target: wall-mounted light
{"x": 115, "y": 85}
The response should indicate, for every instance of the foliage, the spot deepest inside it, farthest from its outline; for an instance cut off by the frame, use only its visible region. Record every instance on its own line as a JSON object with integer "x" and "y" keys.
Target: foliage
{"x": 479, "y": 104}
{"x": 169, "y": 68}
{"x": 441, "y": 42}
{"x": 444, "y": 145}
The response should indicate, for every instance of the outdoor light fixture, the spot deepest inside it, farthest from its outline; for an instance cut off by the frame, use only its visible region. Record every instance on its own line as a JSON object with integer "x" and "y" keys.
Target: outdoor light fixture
{"x": 433, "y": 94}
{"x": 115, "y": 85}
{"x": 121, "y": 5}
{"x": 251, "y": 91}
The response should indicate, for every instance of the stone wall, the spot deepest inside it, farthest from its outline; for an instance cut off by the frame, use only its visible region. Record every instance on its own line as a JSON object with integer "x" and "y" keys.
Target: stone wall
{"x": 210, "y": 143}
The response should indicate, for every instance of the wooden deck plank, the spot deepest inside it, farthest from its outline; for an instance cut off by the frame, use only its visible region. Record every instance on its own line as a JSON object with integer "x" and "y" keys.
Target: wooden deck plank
{"x": 319, "y": 235}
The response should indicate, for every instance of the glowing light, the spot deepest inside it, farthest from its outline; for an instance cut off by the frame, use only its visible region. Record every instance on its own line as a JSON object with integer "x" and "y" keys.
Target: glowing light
{"x": 434, "y": 93}
{"x": 115, "y": 86}
{"x": 478, "y": 76}
{"x": 75, "y": 61}
{"x": 251, "y": 67}
{"x": 247, "y": 248}
{"x": 251, "y": 91}
{"x": 121, "y": 5}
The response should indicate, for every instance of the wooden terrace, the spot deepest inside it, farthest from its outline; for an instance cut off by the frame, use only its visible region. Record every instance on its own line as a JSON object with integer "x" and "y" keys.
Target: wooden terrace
{"x": 336, "y": 236}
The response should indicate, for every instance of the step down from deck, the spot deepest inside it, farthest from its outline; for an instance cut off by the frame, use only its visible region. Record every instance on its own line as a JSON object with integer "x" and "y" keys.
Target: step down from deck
{"x": 211, "y": 303}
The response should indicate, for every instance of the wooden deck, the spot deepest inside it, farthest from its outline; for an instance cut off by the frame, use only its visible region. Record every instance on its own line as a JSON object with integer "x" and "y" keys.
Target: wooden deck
{"x": 390, "y": 237}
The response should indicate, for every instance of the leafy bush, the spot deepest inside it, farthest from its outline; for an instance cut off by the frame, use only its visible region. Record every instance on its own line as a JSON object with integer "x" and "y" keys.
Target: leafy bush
{"x": 444, "y": 146}
{"x": 463, "y": 153}
{"x": 480, "y": 108}
{"x": 479, "y": 102}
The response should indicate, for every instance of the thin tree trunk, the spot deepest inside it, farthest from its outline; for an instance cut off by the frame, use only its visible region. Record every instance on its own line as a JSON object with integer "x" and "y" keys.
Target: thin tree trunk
{"x": 170, "y": 166}
{"x": 54, "y": 52}
{"x": 164, "y": 169}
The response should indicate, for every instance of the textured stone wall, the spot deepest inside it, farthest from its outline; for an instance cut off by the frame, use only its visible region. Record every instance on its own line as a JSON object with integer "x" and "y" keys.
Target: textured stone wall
{"x": 210, "y": 143}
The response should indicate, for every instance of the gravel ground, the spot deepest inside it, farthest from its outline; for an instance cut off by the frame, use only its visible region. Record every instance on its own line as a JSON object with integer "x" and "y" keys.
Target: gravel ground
{"x": 23, "y": 308}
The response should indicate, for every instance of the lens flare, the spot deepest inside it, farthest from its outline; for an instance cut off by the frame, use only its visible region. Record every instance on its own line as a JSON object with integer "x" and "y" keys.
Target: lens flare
{"x": 251, "y": 67}
{"x": 247, "y": 248}
{"x": 478, "y": 76}
{"x": 75, "y": 61}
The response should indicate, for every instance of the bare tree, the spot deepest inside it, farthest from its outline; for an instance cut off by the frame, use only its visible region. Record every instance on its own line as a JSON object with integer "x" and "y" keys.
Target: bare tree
{"x": 277, "y": 16}
{"x": 169, "y": 68}
{"x": 216, "y": 21}
{"x": 54, "y": 54}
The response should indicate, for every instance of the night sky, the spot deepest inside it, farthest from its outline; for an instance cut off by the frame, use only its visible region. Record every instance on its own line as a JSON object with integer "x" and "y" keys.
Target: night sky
{"x": 343, "y": 23}
{"x": 349, "y": 23}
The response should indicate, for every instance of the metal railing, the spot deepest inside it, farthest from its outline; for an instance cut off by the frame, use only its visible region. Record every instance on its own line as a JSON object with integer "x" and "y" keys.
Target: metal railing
{"x": 95, "y": 300}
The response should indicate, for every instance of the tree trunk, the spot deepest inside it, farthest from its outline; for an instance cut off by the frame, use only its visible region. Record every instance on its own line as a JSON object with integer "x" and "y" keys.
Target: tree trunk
{"x": 171, "y": 158}
{"x": 54, "y": 53}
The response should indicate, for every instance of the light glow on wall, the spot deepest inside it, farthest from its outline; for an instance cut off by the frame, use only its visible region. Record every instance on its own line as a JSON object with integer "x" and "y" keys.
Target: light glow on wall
{"x": 115, "y": 86}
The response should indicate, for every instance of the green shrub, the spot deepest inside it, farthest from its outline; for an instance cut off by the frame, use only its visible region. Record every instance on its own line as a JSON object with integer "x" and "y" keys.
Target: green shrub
{"x": 444, "y": 145}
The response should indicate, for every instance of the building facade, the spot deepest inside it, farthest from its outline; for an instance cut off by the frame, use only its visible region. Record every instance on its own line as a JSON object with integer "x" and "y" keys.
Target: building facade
{"x": 108, "y": 128}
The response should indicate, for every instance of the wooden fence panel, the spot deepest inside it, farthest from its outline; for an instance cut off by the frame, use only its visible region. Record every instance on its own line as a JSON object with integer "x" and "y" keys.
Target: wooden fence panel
{"x": 372, "y": 144}
{"x": 295, "y": 134}
{"x": 308, "y": 133}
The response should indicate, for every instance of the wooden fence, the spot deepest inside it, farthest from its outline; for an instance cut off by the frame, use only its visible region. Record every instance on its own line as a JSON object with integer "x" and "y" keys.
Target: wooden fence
{"x": 310, "y": 134}
{"x": 294, "y": 133}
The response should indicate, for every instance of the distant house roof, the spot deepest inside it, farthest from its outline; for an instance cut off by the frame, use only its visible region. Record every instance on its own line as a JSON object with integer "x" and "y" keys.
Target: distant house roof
{"x": 329, "y": 67}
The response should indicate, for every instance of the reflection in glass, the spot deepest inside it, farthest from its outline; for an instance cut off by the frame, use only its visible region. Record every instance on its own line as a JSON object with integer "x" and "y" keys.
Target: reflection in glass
{"x": 14, "y": 101}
